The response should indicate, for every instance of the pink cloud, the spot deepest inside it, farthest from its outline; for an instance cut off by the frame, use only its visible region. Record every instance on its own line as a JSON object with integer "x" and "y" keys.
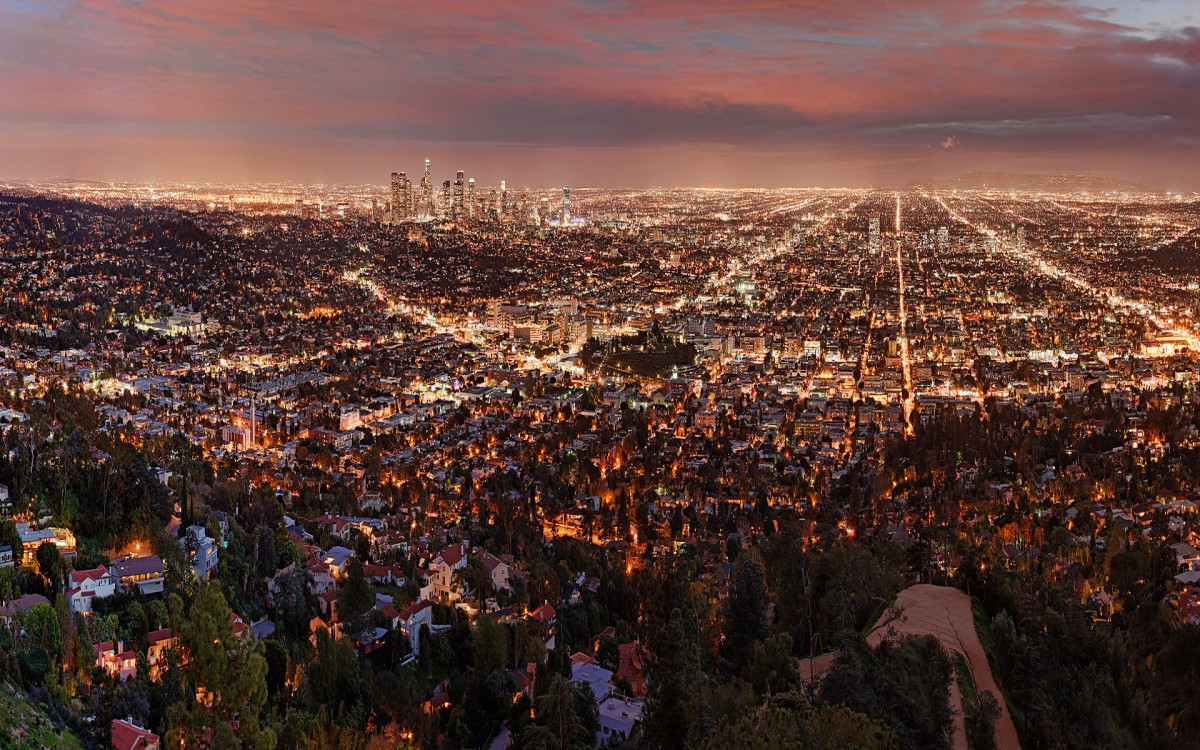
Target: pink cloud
{"x": 750, "y": 75}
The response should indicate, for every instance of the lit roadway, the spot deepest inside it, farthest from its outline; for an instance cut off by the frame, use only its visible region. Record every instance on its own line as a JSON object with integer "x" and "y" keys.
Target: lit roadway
{"x": 905, "y": 365}
{"x": 1117, "y": 302}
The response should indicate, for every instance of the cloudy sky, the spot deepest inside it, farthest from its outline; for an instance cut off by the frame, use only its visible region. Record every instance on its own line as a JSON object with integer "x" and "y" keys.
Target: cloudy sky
{"x": 600, "y": 92}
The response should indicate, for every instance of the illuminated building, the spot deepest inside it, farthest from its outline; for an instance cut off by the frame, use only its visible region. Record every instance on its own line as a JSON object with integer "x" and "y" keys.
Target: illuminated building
{"x": 427, "y": 192}
{"x": 399, "y": 202}
{"x": 456, "y": 211}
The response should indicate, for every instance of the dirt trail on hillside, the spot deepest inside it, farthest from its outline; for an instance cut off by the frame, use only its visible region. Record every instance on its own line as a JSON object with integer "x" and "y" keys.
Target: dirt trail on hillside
{"x": 944, "y": 613}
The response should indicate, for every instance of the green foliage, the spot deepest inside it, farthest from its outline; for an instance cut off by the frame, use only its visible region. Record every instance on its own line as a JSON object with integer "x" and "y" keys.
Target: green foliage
{"x": 28, "y": 726}
{"x": 565, "y": 716}
{"x": 745, "y": 617}
{"x": 50, "y": 564}
{"x": 225, "y": 676}
{"x": 335, "y": 682}
{"x": 355, "y": 599}
{"x": 903, "y": 683}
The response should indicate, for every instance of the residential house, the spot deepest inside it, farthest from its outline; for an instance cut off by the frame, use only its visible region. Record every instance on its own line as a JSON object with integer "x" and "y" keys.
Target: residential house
{"x": 125, "y": 735}
{"x": 338, "y": 560}
{"x": 498, "y": 568}
{"x": 618, "y": 717}
{"x": 410, "y": 619}
{"x": 85, "y": 585}
{"x": 24, "y": 603}
{"x": 201, "y": 549}
{"x": 116, "y": 660}
{"x": 146, "y": 573}
{"x": 597, "y": 678}
{"x": 441, "y": 570}
{"x": 160, "y": 641}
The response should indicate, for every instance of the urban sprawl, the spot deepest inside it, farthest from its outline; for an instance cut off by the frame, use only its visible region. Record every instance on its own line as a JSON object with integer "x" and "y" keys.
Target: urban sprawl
{"x": 432, "y": 465}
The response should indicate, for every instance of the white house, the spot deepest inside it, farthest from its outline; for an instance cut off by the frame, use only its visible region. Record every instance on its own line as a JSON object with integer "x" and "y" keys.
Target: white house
{"x": 145, "y": 573}
{"x": 85, "y": 585}
{"x": 442, "y": 567}
{"x": 497, "y": 568}
{"x": 202, "y": 549}
{"x": 410, "y": 620}
{"x": 618, "y": 716}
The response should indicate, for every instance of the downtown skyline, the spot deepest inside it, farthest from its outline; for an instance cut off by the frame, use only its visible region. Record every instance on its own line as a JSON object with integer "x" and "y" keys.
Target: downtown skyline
{"x": 600, "y": 93}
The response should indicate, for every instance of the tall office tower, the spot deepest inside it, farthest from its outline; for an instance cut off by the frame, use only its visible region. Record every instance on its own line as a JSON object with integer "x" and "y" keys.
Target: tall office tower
{"x": 943, "y": 237}
{"x": 566, "y": 210}
{"x": 445, "y": 207}
{"x": 503, "y": 198}
{"x": 1021, "y": 237}
{"x": 493, "y": 196}
{"x": 874, "y": 242}
{"x": 427, "y": 192}
{"x": 398, "y": 207}
{"x": 456, "y": 210}
{"x": 471, "y": 198}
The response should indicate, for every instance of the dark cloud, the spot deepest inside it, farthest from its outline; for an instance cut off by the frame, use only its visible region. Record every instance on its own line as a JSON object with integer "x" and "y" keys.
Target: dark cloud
{"x": 788, "y": 81}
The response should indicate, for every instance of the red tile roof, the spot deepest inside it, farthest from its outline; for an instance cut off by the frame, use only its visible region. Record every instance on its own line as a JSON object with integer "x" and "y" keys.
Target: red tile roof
{"x": 126, "y": 736}
{"x": 77, "y": 577}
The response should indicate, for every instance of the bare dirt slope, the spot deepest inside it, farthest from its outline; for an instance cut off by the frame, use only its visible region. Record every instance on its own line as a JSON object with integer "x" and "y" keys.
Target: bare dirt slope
{"x": 945, "y": 613}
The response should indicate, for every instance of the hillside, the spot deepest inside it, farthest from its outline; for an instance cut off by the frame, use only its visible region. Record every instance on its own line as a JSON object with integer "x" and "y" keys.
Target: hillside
{"x": 26, "y": 725}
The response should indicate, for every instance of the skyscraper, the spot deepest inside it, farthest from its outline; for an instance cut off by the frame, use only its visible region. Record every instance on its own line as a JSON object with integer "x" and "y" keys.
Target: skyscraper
{"x": 566, "y": 208}
{"x": 471, "y": 198}
{"x": 874, "y": 242}
{"x": 427, "y": 192}
{"x": 445, "y": 206}
{"x": 503, "y": 198}
{"x": 399, "y": 198}
{"x": 456, "y": 211}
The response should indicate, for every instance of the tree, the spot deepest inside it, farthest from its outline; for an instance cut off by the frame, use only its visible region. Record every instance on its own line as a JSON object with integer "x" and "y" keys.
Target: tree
{"x": 772, "y": 727}
{"x": 226, "y": 676}
{"x": 334, "y": 681}
{"x": 489, "y": 644}
{"x": 981, "y": 726}
{"x": 839, "y": 728}
{"x": 567, "y": 716}
{"x": 10, "y": 537}
{"x": 43, "y": 636}
{"x": 355, "y": 599}
{"x": 50, "y": 564}
{"x": 745, "y": 621}
{"x": 291, "y": 606}
{"x": 903, "y": 683}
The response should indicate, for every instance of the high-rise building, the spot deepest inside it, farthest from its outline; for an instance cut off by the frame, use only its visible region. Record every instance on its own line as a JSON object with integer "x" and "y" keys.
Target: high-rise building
{"x": 427, "y": 192}
{"x": 399, "y": 207}
{"x": 874, "y": 241}
{"x": 503, "y": 198}
{"x": 566, "y": 207}
{"x": 456, "y": 210}
{"x": 445, "y": 207}
{"x": 471, "y": 198}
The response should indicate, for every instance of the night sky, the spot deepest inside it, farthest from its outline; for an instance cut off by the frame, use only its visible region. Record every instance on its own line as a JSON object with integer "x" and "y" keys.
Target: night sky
{"x": 600, "y": 92}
